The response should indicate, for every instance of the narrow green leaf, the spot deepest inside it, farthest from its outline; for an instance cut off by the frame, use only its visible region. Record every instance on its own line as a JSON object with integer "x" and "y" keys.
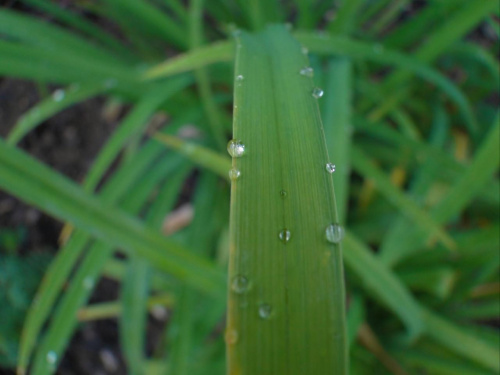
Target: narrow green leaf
{"x": 394, "y": 195}
{"x": 33, "y": 182}
{"x": 49, "y": 107}
{"x": 286, "y": 279}
{"x": 202, "y": 56}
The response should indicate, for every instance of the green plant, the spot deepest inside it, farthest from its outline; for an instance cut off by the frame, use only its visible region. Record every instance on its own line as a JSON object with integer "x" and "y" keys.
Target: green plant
{"x": 416, "y": 155}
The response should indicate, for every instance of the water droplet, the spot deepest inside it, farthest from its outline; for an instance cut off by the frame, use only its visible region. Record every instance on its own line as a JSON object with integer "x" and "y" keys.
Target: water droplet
{"x": 239, "y": 78}
{"x": 240, "y": 284}
{"x": 236, "y": 33}
{"x": 304, "y": 50}
{"x": 334, "y": 233}
{"x": 283, "y": 193}
{"x": 88, "y": 283}
{"x": 265, "y": 311}
{"x": 307, "y": 71}
{"x": 51, "y": 357}
{"x": 231, "y": 337}
{"x": 317, "y": 92}
{"x": 285, "y": 235}
{"x": 234, "y": 174}
{"x": 235, "y": 148}
{"x": 58, "y": 95}
{"x": 330, "y": 168}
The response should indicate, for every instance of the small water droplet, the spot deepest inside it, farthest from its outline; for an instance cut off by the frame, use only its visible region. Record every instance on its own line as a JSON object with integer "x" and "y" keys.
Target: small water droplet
{"x": 51, "y": 357}
{"x": 235, "y": 148}
{"x": 234, "y": 174}
{"x": 265, "y": 311}
{"x": 334, "y": 233}
{"x": 283, "y": 193}
{"x": 285, "y": 235}
{"x": 240, "y": 284}
{"x": 88, "y": 283}
{"x": 317, "y": 92}
{"x": 231, "y": 337}
{"x": 239, "y": 78}
{"x": 236, "y": 33}
{"x": 304, "y": 50}
{"x": 58, "y": 95}
{"x": 307, "y": 71}
{"x": 330, "y": 168}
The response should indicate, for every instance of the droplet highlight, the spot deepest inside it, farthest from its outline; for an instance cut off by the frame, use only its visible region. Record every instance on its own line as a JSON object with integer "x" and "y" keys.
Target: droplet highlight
{"x": 234, "y": 174}
{"x": 235, "y": 148}
{"x": 330, "y": 168}
{"x": 334, "y": 233}
{"x": 307, "y": 71}
{"x": 265, "y": 311}
{"x": 240, "y": 284}
{"x": 285, "y": 235}
{"x": 51, "y": 357}
{"x": 317, "y": 92}
{"x": 239, "y": 78}
{"x": 58, "y": 95}
{"x": 283, "y": 193}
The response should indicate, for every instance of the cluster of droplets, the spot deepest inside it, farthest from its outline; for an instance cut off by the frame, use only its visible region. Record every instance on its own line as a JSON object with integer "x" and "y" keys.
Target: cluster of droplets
{"x": 236, "y": 149}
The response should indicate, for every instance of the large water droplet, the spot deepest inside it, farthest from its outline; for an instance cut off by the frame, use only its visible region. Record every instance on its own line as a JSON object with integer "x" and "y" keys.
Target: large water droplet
{"x": 317, "y": 92}
{"x": 265, "y": 311}
{"x": 285, "y": 235}
{"x": 240, "y": 284}
{"x": 334, "y": 233}
{"x": 330, "y": 168}
{"x": 235, "y": 148}
{"x": 231, "y": 337}
{"x": 234, "y": 174}
{"x": 58, "y": 95}
{"x": 307, "y": 71}
{"x": 51, "y": 357}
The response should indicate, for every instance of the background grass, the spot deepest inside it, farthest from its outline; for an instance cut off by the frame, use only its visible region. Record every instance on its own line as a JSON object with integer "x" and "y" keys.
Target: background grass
{"x": 410, "y": 115}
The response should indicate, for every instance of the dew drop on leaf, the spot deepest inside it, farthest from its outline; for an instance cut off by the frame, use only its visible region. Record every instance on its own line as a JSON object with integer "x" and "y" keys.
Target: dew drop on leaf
{"x": 285, "y": 235}
{"x": 330, "y": 168}
{"x": 235, "y": 148}
{"x": 334, "y": 233}
{"x": 234, "y": 174}
{"x": 317, "y": 93}
{"x": 265, "y": 311}
{"x": 240, "y": 284}
{"x": 307, "y": 71}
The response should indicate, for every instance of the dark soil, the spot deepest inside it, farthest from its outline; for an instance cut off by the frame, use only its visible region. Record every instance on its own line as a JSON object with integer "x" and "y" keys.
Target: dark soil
{"x": 68, "y": 142}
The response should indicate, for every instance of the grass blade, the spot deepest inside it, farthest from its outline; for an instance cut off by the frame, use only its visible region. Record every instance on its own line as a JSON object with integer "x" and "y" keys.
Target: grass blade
{"x": 274, "y": 302}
